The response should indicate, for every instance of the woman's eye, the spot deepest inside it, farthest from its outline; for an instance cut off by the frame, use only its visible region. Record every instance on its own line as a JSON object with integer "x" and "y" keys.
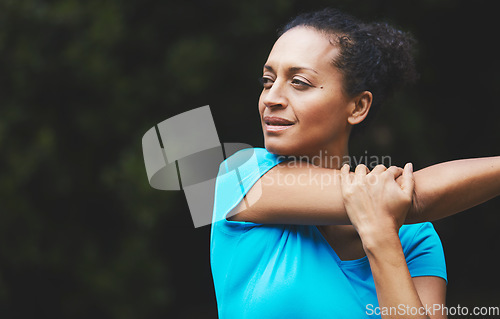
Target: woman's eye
{"x": 266, "y": 82}
{"x": 300, "y": 84}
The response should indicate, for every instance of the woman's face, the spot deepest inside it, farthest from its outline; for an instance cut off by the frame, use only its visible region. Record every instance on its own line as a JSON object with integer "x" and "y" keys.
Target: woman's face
{"x": 302, "y": 106}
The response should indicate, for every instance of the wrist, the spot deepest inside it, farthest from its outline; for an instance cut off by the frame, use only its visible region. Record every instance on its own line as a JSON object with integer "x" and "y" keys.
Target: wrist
{"x": 376, "y": 240}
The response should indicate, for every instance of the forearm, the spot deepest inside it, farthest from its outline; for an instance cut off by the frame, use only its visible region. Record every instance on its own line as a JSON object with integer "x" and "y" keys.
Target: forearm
{"x": 448, "y": 188}
{"x": 377, "y": 207}
{"x": 396, "y": 292}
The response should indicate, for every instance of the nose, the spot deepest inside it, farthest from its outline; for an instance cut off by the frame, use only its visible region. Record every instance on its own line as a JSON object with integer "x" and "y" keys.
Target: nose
{"x": 275, "y": 96}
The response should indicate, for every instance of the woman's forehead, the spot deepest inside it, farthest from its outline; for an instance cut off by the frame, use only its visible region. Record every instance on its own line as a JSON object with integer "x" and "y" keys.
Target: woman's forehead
{"x": 302, "y": 46}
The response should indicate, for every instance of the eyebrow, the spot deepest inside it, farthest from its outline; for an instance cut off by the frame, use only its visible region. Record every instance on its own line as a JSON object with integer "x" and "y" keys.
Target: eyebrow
{"x": 291, "y": 69}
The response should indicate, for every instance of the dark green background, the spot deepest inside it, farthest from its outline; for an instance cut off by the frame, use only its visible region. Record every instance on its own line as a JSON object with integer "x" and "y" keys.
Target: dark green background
{"x": 82, "y": 235}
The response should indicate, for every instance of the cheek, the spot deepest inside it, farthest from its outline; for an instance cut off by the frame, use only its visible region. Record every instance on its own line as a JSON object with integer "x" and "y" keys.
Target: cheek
{"x": 322, "y": 112}
{"x": 324, "y": 120}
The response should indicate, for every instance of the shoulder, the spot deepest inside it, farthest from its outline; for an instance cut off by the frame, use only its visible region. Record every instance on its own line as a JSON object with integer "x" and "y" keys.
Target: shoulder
{"x": 412, "y": 234}
{"x": 237, "y": 174}
{"x": 423, "y": 250}
{"x": 250, "y": 159}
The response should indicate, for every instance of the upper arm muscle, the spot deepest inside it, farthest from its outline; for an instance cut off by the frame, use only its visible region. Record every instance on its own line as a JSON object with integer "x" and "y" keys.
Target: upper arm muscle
{"x": 302, "y": 194}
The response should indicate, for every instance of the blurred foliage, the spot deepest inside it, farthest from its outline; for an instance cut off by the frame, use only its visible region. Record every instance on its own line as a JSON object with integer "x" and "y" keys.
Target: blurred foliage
{"x": 81, "y": 232}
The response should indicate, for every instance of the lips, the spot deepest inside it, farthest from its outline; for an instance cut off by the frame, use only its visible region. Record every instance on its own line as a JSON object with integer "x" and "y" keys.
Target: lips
{"x": 277, "y": 121}
{"x": 275, "y": 124}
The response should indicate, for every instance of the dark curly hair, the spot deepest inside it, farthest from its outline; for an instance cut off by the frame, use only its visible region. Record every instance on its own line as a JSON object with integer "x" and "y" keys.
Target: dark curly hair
{"x": 373, "y": 57}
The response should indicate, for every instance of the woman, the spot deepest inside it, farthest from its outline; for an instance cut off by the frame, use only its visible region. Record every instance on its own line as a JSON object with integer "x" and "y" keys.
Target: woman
{"x": 296, "y": 248}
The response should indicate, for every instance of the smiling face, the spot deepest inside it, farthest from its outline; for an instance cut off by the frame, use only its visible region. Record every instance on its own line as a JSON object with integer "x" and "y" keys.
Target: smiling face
{"x": 302, "y": 106}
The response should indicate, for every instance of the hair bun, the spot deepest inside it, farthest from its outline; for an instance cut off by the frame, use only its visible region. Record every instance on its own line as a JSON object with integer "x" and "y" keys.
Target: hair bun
{"x": 396, "y": 48}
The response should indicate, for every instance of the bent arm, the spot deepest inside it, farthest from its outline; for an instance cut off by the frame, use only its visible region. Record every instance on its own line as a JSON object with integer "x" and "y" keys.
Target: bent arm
{"x": 309, "y": 195}
{"x": 419, "y": 297}
{"x": 377, "y": 206}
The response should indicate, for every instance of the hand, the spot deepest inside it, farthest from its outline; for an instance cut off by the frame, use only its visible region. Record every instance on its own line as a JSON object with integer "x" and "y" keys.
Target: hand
{"x": 374, "y": 201}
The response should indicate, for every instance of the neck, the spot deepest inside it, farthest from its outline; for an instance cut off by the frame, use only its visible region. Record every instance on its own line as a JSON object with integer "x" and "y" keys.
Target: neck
{"x": 333, "y": 157}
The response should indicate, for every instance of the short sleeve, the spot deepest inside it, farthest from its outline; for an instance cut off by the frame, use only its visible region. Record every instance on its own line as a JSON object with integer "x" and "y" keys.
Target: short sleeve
{"x": 237, "y": 174}
{"x": 423, "y": 250}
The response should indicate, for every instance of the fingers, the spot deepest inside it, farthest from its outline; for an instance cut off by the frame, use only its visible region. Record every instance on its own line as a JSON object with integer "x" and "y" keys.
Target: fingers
{"x": 395, "y": 171}
{"x": 361, "y": 170}
{"x": 344, "y": 173}
{"x": 378, "y": 169}
{"x": 408, "y": 182}
{"x": 345, "y": 169}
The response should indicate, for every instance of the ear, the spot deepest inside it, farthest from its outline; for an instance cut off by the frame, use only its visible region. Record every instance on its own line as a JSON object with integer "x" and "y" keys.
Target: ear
{"x": 360, "y": 106}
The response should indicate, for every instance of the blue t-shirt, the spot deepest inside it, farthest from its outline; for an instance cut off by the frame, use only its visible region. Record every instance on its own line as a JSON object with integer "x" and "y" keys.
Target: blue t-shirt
{"x": 291, "y": 271}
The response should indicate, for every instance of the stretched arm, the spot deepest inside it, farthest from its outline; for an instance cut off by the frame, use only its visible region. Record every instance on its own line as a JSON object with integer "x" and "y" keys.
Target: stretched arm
{"x": 307, "y": 194}
{"x": 448, "y": 188}
{"x": 377, "y": 206}
{"x": 295, "y": 194}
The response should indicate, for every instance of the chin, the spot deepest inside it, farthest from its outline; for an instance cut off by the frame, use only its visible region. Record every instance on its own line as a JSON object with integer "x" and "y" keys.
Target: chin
{"x": 281, "y": 148}
{"x": 274, "y": 150}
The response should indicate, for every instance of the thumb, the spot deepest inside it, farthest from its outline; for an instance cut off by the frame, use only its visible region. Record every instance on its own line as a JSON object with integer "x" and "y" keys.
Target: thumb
{"x": 408, "y": 182}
